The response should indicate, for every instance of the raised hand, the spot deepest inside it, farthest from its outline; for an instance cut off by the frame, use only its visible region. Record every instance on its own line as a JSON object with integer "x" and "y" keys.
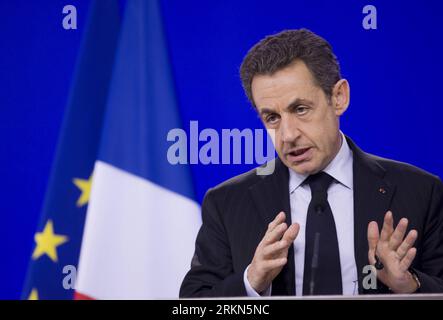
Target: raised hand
{"x": 395, "y": 251}
{"x": 271, "y": 253}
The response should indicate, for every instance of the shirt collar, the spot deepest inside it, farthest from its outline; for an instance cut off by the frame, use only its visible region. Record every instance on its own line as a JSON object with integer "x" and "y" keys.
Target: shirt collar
{"x": 340, "y": 168}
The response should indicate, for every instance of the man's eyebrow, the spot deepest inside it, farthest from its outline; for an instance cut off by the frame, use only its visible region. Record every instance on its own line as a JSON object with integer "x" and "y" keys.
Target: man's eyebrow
{"x": 292, "y": 105}
{"x": 299, "y": 101}
{"x": 265, "y": 110}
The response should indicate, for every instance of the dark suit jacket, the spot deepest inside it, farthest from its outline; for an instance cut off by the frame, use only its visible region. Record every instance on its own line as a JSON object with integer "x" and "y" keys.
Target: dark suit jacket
{"x": 237, "y": 212}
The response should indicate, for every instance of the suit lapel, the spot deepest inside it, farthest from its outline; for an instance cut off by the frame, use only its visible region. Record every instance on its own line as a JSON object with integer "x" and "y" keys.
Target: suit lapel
{"x": 271, "y": 195}
{"x": 372, "y": 198}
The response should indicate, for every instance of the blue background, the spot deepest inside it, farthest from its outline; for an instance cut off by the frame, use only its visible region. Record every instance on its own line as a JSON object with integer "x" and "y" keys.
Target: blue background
{"x": 395, "y": 75}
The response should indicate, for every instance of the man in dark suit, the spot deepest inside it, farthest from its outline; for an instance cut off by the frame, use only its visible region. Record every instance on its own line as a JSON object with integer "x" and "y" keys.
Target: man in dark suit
{"x": 312, "y": 226}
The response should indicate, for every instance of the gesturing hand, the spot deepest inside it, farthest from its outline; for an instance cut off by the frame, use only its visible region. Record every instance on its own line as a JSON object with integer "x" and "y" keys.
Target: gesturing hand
{"x": 271, "y": 253}
{"x": 395, "y": 253}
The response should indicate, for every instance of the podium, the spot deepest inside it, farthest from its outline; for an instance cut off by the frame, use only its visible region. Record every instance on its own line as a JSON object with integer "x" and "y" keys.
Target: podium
{"x": 415, "y": 296}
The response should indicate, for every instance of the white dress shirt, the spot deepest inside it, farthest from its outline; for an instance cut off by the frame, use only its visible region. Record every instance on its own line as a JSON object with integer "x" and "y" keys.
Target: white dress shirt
{"x": 341, "y": 200}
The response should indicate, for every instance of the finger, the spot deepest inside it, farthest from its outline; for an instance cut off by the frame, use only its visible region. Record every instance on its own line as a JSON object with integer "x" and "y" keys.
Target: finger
{"x": 406, "y": 262}
{"x": 398, "y": 234}
{"x": 388, "y": 227}
{"x": 291, "y": 233}
{"x": 276, "y": 234}
{"x": 373, "y": 236}
{"x": 275, "y": 249}
{"x": 269, "y": 265}
{"x": 407, "y": 244}
{"x": 281, "y": 217}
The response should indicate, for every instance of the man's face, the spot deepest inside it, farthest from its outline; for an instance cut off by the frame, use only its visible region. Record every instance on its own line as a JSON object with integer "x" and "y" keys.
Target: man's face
{"x": 306, "y": 124}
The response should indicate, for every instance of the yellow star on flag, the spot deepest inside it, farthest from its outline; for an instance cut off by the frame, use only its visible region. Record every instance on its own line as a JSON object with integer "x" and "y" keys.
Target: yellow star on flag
{"x": 47, "y": 242}
{"x": 85, "y": 188}
{"x": 33, "y": 295}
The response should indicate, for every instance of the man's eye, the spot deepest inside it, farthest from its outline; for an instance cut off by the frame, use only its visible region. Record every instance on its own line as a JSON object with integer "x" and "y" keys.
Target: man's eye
{"x": 301, "y": 110}
{"x": 271, "y": 118}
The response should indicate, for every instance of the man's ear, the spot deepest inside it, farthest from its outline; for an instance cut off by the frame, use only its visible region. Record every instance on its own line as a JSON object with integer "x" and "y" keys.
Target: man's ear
{"x": 340, "y": 96}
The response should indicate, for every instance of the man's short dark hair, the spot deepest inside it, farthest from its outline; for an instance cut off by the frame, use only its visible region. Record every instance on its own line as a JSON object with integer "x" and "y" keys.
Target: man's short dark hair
{"x": 278, "y": 51}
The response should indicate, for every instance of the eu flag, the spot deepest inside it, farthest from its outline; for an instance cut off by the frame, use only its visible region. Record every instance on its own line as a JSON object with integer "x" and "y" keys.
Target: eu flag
{"x": 138, "y": 236}
{"x": 51, "y": 272}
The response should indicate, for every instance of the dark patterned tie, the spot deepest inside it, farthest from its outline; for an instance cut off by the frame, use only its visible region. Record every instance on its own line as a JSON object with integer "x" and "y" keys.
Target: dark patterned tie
{"x": 322, "y": 273}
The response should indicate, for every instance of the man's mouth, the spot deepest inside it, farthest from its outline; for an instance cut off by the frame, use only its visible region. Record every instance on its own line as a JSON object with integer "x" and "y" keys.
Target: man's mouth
{"x": 299, "y": 154}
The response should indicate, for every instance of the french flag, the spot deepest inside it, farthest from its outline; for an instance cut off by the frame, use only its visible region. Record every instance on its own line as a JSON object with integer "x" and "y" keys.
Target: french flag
{"x": 142, "y": 219}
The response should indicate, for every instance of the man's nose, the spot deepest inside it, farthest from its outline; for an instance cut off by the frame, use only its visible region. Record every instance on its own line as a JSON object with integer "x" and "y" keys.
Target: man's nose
{"x": 289, "y": 129}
